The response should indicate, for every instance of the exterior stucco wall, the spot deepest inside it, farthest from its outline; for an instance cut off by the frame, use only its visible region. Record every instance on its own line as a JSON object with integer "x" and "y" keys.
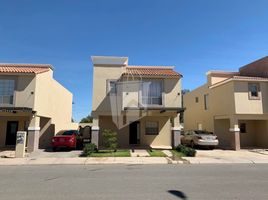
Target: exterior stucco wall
{"x": 195, "y": 113}
{"x": 220, "y": 103}
{"x": 163, "y": 139}
{"x": 216, "y": 78}
{"x": 53, "y": 101}
{"x": 101, "y": 74}
{"x": 172, "y": 91}
{"x": 245, "y": 105}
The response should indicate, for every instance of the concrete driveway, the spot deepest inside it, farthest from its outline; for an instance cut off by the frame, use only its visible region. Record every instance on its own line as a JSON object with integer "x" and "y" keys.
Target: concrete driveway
{"x": 229, "y": 156}
{"x": 48, "y": 153}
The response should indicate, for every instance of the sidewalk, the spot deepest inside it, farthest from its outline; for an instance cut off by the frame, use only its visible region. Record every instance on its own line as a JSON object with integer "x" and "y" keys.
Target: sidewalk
{"x": 72, "y": 158}
{"x": 87, "y": 161}
{"x": 227, "y": 156}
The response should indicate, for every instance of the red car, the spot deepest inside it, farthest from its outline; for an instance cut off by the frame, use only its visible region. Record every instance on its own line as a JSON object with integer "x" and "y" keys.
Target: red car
{"x": 67, "y": 139}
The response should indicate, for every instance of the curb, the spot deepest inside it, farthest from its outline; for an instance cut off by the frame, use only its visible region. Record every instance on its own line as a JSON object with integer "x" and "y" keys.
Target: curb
{"x": 87, "y": 161}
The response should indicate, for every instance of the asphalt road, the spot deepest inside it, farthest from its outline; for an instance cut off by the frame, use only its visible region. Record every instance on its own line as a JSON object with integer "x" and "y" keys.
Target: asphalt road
{"x": 139, "y": 182}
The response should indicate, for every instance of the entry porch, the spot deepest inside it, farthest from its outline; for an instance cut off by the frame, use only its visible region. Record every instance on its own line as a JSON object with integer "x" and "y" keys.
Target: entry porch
{"x": 39, "y": 129}
{"x": 242, "y": 131}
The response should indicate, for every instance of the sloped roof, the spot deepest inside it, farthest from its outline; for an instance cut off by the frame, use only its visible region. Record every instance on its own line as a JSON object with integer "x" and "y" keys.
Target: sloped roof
{"x": 24, "y": 68}
{"x": 152, "y": 71}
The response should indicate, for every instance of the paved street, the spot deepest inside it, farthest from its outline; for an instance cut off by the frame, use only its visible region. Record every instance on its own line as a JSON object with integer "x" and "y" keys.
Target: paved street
{"x": 139, "y": 182}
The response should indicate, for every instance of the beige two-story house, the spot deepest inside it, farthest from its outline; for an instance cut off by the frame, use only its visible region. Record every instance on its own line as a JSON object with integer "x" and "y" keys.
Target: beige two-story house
{"x": 31, "y": 100}
{"x": 141, "y": 103}
{"x": 233, "y": 105}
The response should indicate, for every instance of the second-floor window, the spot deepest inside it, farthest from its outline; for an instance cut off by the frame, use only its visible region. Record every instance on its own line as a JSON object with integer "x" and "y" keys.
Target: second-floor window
{"x": 7, "y": 88}
{"x": 254, "y": 89}
{"x": 152, "y": 92}
{"x": 112, "y": 87}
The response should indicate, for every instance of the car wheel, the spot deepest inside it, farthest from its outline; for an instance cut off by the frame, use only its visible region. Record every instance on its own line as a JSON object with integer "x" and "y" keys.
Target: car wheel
{"x": 192, "y": 145}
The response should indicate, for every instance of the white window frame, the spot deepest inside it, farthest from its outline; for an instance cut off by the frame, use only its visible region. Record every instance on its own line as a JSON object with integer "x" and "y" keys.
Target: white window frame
{"x": 162, "y": 93}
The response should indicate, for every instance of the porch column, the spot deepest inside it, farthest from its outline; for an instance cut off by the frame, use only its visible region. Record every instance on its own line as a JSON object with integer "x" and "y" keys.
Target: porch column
{"x": 235, "y": 134}
{"x": 176, "y": 132}
{"x": 95, "y": 131}
{"x": 33, "y": 134}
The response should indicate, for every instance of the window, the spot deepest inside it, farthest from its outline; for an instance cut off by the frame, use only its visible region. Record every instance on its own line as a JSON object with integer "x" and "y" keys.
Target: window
{"x": 152, "y": 93}
{"x": 242, "y": 127}
{"x": 254, "y": 89}
{"x": 206, "y": 101}
{"x": 71, "y": 132}
{"x": 196, "y": 99}
{"x": 112, "y": 87}
{"x": 151, "y": 128}
{"x": 7, "y": 88}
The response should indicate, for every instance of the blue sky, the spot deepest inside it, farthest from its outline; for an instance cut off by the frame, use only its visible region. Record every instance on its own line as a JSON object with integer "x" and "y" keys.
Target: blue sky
{"x": 194, "y": 35}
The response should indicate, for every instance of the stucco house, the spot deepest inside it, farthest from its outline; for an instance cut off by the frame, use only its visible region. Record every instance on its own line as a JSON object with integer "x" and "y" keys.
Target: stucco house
{"x": 141, "y": 103}
{"x": 233, "y": 105}
{"x": 31, "y": 100}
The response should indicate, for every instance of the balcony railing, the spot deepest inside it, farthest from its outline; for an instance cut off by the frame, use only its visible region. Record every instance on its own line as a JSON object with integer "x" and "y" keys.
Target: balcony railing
{"x": 149, "y": 101}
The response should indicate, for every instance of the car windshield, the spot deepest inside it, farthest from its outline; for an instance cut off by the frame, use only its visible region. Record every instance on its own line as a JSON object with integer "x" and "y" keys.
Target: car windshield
{"x": 203, "y": 132}
{"x": 71, "y": 132}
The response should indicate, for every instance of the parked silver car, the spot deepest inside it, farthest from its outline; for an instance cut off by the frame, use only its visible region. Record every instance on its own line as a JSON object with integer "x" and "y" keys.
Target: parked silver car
{"x": 199, "y": 138}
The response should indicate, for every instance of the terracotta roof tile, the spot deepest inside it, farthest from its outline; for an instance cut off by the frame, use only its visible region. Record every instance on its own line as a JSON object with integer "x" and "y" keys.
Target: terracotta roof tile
{"x": 151, "y": 71}
{"x": 24, "y": 68}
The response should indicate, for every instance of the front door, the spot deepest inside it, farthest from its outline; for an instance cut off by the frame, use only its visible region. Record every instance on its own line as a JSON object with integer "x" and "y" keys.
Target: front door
{"x": 12, "y": 128}
{"x": 134, "y": 129}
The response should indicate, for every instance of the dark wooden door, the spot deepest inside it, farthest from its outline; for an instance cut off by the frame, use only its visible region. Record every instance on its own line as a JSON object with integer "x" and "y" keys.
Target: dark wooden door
{"x": 11, "y": 133}
{"x": 133, "y": 132}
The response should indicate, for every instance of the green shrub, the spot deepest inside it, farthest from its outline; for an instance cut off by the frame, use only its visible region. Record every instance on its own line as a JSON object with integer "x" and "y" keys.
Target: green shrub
{"x": 187, "y": 151}
{"x": 89, "y": 149}
{"x": 110, "y": 139}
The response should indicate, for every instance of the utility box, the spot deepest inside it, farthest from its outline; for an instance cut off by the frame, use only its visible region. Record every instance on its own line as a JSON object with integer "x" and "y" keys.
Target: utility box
{"x": 20, "y": 144}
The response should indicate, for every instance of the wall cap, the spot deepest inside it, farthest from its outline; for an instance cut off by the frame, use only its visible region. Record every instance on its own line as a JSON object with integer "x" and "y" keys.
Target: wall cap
{"x": 234, "y": 129}
{"x": 33, "y": 128}
{"x": 95, "y": 128}
{"x": 177, "y": 128}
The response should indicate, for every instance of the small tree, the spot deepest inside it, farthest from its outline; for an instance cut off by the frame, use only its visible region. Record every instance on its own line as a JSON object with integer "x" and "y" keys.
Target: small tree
{"x": 87, "y": 119}
{"x": 110, "y": 139}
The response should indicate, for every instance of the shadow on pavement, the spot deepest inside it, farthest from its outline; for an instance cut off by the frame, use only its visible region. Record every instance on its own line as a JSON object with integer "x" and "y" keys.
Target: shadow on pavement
{"x": 178, "y": 193}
